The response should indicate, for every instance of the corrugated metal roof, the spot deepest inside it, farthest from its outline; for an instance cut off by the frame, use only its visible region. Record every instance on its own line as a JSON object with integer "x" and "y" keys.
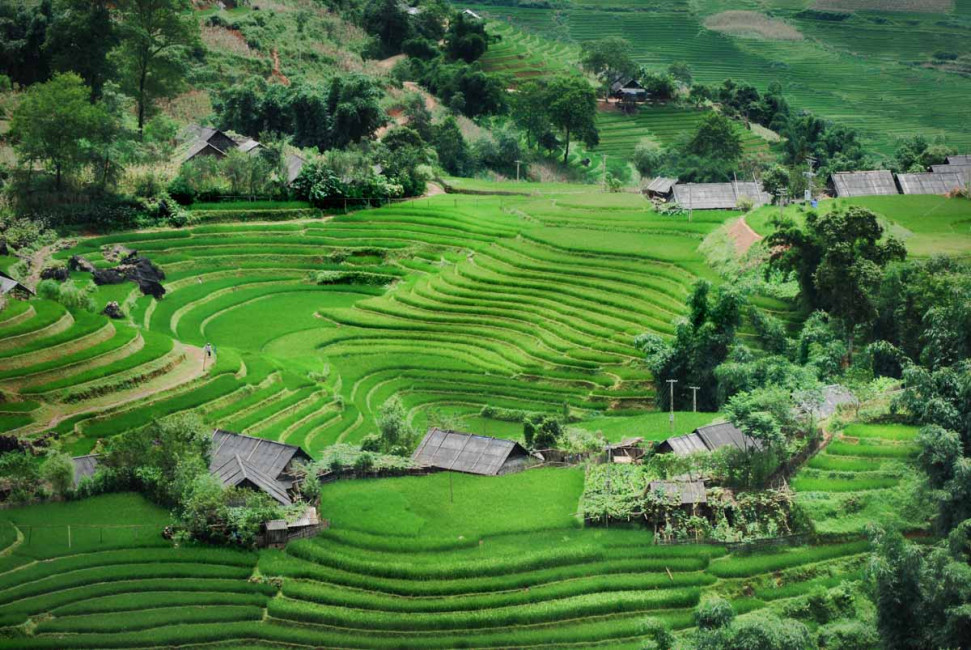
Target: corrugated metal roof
{"x": 936, "y": 183}
{"x": 200, "y": 146}
{"x": 718, "y": 196}
{"x": 465, "y": 452}
{"x": 661, "y": 185}
{"x": 294, "y": 164}
{"x": 266, "y": 456}
{"x": 84, "y": 466}
{"x": 689, "y": 492}
{"x": 960, "y": 159}
{"x": 870, "y": 183}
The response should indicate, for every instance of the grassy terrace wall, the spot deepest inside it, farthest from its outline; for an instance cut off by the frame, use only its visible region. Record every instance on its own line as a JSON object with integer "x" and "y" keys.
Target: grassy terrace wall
{"x": 453, "y": 303}
{"x": 403, "y": 566}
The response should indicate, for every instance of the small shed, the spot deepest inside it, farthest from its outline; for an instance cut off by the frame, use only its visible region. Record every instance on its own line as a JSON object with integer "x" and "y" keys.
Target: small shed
{"x": 85, "y": 467}
{"x": 10, "y": 286}
{"x": 470, "y": 453}
{"x": 661, "y": 187}
{"x": 689, "y": 493}
{"x": 627, "y": 450}
{"x": 718, "y": 196}
{"x": 870, "y": 183}
{"x": 708, "y": 439}
{"x": 628, "y": 89}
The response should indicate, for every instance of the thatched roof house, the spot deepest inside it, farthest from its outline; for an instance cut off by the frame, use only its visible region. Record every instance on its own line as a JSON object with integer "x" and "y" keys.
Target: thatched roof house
{"x": 708, "y": 439}
{"x": 469, "y": 453}
{"x": 936, "y": 183}
{"x": 255, "y": 463}
{"x": 718, "y": 196}
{"x": 872, "y": 183}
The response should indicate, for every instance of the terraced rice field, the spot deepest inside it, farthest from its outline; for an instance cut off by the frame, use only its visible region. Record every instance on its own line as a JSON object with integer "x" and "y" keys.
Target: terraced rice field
{"x": 401, "y": 567}
{"x": 859, "y": 478}
{"x": 872, "y": 73}
{"x": 621, "y": 133}
{"x": 517, "y": 302}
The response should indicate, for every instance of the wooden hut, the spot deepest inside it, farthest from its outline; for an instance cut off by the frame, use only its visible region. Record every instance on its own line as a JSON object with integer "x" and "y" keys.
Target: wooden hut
{"x": 934, "y": 183}
{"x": 278, "y": 532}
{"x": 257, "y": 464}
{"x": 661, "y": 188}
{"x": 470, "y": 453}
{"x": 871, "y": 183}
{"x": 11, "y": 287}
{"x": 628, "y": 90}
{"x": 627, "y": 451}
{"x": 718, "y": 196}
{"x": 708, "y": 439}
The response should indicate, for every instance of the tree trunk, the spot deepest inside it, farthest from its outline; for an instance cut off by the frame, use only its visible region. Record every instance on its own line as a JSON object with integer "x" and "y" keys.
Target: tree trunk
{"x": 141, "y": 97}
{"x": 57, "y": 176}
{"x": 566, "y": 147}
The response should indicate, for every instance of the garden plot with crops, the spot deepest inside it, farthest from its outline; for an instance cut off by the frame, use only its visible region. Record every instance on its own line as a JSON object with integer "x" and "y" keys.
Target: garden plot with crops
{"x": 455, "y": 303}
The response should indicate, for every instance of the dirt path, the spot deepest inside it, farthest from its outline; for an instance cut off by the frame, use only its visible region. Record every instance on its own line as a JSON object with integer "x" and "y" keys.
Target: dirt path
{"x": 743, "y": 236}
{"x": 431, "y": 103}
{"x": 433, "y": 189}
{"x": 37, "y": 260}
{"x": 385, "y": 65}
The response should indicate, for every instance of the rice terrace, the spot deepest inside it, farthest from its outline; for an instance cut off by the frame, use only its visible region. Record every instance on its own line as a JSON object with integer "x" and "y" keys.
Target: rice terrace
{"x": 376, "y": 324}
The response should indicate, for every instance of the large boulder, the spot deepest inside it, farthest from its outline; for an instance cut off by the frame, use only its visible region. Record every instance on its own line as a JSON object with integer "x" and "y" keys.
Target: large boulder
{"x": 107, "y": 276}
{"x": 78, "y": 263}
{"x": 148, "y": 276}
{"x": 112, "y": 310}
{"x": 59, "y": 273}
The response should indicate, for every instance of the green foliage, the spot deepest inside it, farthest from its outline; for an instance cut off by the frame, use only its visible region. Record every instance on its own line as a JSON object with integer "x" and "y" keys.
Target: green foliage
{"x": 608, "y": 58}
{"x": 154, "y": 37}
{"x": 541, "y": 432}
{"x": 453, "y": 151}
{"x": 68, "y": 294}
{"x": 57, "y": 470}
{"x": 717, "y": 138}
{"x": 702, "y": 342}
{"x": 572, "y": 107}
{"x": 465, "y": 38}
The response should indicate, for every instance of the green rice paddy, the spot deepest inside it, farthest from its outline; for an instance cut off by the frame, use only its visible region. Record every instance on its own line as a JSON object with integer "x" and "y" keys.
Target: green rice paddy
{"x": 406, "y": 563}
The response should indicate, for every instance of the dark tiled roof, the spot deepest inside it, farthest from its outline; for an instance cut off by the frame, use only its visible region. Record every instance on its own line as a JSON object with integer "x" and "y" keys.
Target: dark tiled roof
{"x": 689, "y": 492}
{"x": 465, "y": 452}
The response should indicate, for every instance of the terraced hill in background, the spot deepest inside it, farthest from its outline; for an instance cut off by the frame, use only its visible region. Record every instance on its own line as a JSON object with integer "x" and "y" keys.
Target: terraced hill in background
{"x": 452, "y": 303}
{"x": 887, "y": 74}
{"x": 403, "y": 566}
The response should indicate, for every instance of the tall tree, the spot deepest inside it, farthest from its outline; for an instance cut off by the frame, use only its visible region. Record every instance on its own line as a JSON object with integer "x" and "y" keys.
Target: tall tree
{"x": 572, "y": 106}
{"x": 716, "y": 137}
{"x": 528, "y": 108}
{"x": 353, "y": 101}
{"x": 155, "y": 34}
{"x": 52, "y": 122}
{"x": 839, "y": 259}
{"x": 23, "y": 30}
{"x": 608, "y": 58}
{"x": 80, "y": 39}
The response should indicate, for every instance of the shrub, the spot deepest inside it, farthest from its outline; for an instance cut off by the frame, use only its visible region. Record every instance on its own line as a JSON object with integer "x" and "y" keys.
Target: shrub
{"x": 67, "y": 294}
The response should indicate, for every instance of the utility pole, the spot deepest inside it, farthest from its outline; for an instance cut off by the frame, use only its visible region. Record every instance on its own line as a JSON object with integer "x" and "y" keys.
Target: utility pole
{"x": 671, "y": 383}
{"x": 517, "y": 169}
{"x": 810, "y": 160}
{"x": 690, "y": 209}
{"x": 782, "y": 194}
{"x": 694, "y": 398}
{"x": 603, "y": 163}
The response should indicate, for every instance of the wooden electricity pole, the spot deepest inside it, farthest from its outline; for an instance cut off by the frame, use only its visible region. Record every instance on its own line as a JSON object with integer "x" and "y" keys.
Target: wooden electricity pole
{"x": 694, "y": 398}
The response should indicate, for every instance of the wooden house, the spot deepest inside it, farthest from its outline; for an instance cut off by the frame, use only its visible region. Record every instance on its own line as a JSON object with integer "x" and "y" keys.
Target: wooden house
{"x": 256, "y": 463}
{"x": 719, "y": 196}
{"x": 470, "y": 453}
{"x": 626, "y": 451}
{"x": 628, "y": 90}
{"x": 933, "y": 183}
{"x": 13, "y": 288}
{"x": 661, "y": 188}
{"x": 870, "y": 183}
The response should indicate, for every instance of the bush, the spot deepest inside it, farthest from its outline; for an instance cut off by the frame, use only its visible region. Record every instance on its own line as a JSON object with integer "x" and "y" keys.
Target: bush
{"x": 67, "y": 294}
